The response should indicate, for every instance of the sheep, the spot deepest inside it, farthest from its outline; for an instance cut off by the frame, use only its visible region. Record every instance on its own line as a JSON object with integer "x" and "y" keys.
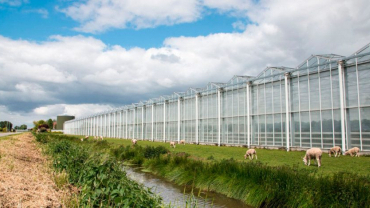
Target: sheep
{"x": 172, "y": 144}
{"x": 134, "y": 142}
{"x": 313, "y": 153}
{"x": 101, "y": 137}
{"x": 250, "y": 153}
{"x": 353, "y": 151}
{"x": 335, "y": 150}
{"x": 82, "y": 139}
{"x": 86, "y": 137}
{"x": 182, "y": 142}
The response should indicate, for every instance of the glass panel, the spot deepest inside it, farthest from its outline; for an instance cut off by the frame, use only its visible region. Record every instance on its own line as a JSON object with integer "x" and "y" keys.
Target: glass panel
{"x": 353, "y": 128}
{"x": 316, "y": 129}
{"x": 327, "y": 129}
{"x": 365, "y": 125}
{"x": 305, "y": 129}
{"x": 351, "y": 86}
{"x": 364, "y": 84}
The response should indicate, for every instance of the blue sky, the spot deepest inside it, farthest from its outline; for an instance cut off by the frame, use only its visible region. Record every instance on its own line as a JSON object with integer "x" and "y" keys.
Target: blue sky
{"x": 38, "y": 20}
{"x": 86, "y": 56}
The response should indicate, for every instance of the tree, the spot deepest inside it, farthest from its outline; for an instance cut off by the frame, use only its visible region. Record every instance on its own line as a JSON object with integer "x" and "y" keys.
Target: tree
{"x": 37, "y": 124}
{"x": 16, "y": 127}
{"x": 23, "y": 126}
{"x": 50, "y": 123}
{"x": 6, "y": 124}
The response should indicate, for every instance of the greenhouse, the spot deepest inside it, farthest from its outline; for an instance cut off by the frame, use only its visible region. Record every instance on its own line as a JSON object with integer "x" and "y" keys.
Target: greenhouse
{"x": 324, "y": 102}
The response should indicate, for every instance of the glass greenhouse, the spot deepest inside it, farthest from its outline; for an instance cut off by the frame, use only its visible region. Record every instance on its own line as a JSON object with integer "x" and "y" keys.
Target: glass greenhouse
{"x": 324, "y": 102}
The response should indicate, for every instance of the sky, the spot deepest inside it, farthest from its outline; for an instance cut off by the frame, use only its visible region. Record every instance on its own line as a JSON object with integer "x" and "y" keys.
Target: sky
{"x": 79, "y": 57}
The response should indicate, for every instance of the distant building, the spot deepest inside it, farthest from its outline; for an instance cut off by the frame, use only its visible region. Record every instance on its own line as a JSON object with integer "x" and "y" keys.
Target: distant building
{"x": 61, "y": 120}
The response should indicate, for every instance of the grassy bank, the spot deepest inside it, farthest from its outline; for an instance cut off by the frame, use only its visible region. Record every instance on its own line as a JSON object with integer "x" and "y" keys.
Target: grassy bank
{"x": 330, "y": 165}
{"x": 278, "y": 179}
{"x": 99, "y": 176}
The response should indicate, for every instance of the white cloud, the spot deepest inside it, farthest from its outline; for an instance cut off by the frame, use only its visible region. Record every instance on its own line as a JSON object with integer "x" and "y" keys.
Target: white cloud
{"x": 43, "y": 12}
{"x": 79, "y": 110}
{"x": 49, "y": 111}
{"x": 99, "y": 15}
{"x": 85, "y": 70}
{"x": 13, "y": 2}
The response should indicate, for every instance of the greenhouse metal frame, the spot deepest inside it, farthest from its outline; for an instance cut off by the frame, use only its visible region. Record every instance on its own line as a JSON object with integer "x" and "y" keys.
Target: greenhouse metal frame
{"x": 324, "y": 102}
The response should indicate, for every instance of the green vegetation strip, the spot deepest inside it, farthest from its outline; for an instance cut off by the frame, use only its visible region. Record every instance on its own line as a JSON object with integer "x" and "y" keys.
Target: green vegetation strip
{"x": 278, "y": 179}
{"x": 259, "y": 184}
{"x": 100, "y": 176}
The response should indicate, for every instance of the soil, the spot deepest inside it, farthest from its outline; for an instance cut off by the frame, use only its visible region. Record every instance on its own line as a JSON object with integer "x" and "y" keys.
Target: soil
{"x": 25, "y": 176}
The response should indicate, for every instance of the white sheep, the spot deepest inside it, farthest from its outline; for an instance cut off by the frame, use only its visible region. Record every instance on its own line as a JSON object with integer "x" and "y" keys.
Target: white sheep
{"x": 250, "y": 153}
{"x": 134, "y": 142}
{"x": 172, "y": 144}
{"x": 82, "y": 139}
{"x": 101, "y": 137}
{"x": 353, "y": 151}
{"x": 182, "y": 142}
{"x": 335, "y": 150}
{"x": 313, "y": 153}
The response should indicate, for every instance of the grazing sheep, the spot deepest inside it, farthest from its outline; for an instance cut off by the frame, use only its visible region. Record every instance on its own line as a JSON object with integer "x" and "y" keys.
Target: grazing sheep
{"x": 250, "y": 153}
{"x": 134, "y": 142}
{"x": 313, "y": 153}
{"x": 82, "y": 139}
{"x": 101, "y": 137}
{"x": 86, "y": 137}
{"x": 335, "y": 150}
{"x": 353, "y": 151}
{"x": 172, "y": 144}
{"x": 182, "y": 142}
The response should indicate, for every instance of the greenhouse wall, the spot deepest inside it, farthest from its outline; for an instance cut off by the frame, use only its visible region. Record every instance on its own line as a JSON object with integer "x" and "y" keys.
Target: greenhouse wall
{"x": 324, "y": 102}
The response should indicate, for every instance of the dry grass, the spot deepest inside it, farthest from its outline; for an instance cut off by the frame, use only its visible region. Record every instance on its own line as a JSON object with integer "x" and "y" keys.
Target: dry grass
{"x": 25, "y": 176}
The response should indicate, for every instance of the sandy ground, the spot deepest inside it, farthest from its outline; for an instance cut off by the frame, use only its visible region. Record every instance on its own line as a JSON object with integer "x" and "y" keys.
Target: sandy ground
{"x": 25, "y": 179}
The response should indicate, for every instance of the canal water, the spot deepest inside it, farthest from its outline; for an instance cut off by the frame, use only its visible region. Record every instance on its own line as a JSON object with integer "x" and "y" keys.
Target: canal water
{"x": 179, "y": 196}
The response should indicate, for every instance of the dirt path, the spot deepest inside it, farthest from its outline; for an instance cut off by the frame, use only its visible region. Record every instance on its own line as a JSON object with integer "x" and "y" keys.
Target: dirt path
{"x": 24, "y": 177}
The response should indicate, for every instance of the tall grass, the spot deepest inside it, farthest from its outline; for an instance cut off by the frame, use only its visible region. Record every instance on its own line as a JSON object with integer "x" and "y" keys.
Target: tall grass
{"x": 255, "y": 183}
{"x": 99, "y": 175}
{"x": 260, "y": 185}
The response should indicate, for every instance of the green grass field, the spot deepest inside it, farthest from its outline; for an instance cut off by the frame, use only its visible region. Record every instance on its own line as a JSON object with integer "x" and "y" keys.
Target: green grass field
{"x": 358, "y": 165}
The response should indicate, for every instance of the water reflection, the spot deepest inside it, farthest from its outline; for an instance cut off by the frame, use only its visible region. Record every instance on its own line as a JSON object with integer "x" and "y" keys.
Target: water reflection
{"x": 177, "y": 195}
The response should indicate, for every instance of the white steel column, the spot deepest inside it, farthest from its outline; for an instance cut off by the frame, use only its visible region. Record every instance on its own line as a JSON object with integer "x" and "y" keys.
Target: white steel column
{"x": 219, "y": 114}
{"x": 114, "y": 125}
{"x": 133, "y": 132}
{"x": 197, "y": 118}
{"x": 287, "y": 75}
{"x": 342, "y": 109}
{"x": 164, "y": 121}
{"x": 248, "y": 116}
{"x": 142, "y": 122}
{"x": 94, "y": 127}
{"x": 153, "y": 122}
{"x": 120, "y": 124}
{"x": 178, "y": 119}
{"x": 126, "y": 124}
{"x": 105, "y": 125}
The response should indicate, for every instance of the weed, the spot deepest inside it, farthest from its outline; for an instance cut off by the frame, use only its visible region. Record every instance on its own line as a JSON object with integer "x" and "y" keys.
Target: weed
{"x": 60, "y": 179}
{"x": 210, "y": 157}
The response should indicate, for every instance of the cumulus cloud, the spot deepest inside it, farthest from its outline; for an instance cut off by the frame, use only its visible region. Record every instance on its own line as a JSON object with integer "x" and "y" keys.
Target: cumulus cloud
{"x": 43, "y": 12}
{"x": 49, "y": 111}
{"x": 13, "y": 2}
{"x": 73, "y": 70}
{"x": 99, "y": 15}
